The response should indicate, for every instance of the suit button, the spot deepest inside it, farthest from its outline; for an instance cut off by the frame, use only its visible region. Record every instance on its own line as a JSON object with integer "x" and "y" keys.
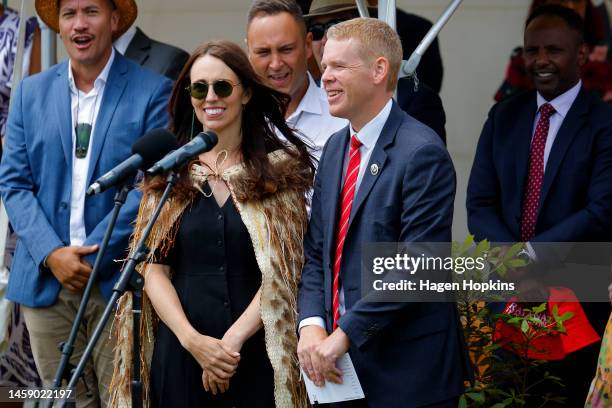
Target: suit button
{"x": 63, "y": 205}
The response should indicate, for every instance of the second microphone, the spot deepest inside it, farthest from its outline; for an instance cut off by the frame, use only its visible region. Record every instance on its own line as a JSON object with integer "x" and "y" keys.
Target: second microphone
{"x": 203, "y": 142}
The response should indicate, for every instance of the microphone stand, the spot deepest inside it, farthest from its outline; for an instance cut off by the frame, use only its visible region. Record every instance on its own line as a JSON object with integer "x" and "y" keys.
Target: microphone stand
{"x": 65, "y": 369}
{"x": 129, "y": 279}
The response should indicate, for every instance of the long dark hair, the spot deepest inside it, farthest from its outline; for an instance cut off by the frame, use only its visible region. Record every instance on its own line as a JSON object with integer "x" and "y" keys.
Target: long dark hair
{"x": 264, "y": 112}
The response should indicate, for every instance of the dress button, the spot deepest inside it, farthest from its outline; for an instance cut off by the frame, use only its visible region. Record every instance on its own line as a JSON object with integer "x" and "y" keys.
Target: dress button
{"x": 221, "y": 268}
{"x": 220, "y": 243}
{"x": 226, "y": 304}
{"x": 220, "y": 216}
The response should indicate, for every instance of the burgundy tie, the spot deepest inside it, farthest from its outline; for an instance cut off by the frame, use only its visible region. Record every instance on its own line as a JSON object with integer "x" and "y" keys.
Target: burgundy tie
{"x": 531, "y": 198}
{"x": 348, "y": 193}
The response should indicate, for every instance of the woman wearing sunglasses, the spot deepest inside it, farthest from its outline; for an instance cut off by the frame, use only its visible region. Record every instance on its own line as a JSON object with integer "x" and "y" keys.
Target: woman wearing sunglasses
{"x": 226, "y": 253}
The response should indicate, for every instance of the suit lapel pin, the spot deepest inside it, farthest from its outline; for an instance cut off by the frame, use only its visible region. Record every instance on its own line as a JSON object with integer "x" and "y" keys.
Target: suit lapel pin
{"x": 374, "y": 169}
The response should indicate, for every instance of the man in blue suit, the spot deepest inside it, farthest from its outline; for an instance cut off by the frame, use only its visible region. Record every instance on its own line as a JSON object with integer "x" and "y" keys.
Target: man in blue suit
{"x": 68, "y": 126}
{"x": 543, "y": 166}
{"x": 384, "y": 178}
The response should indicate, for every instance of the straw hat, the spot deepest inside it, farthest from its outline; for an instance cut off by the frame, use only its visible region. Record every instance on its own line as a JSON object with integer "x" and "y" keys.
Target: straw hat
{"x": 324, "y": 7}
{"x": 48, "y": 11}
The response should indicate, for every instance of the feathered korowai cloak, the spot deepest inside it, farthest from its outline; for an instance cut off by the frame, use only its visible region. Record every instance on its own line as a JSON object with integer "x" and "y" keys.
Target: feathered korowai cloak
{"x": 276, "y": 222}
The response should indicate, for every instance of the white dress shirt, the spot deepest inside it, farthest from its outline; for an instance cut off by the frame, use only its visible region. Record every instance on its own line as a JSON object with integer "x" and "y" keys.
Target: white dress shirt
{"x": 368, "y": 136}
{"x": 312, "y": 118}
{"x": 562, "y": 105}
{"x": 122, "y": 43}
{"x": 87, "y": 107}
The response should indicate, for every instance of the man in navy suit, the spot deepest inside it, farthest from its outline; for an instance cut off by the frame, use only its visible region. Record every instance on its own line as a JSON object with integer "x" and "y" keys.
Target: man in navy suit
{"x": 68, "y": 126}
{"x": 543, "y": 166}
{"x": 384, "y": 178}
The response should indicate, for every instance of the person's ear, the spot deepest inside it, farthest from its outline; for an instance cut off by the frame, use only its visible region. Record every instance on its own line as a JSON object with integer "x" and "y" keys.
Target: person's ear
{"x": 583, "y": 54}
{"x": 246, "y": 96}
{"x": 380, "y": 70}
{"x": 114, "y": 21}
{"x": 308, "y": 45}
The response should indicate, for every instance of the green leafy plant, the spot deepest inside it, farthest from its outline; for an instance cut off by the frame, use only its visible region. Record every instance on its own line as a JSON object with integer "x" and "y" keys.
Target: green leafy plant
{"x": 504, "y": 378}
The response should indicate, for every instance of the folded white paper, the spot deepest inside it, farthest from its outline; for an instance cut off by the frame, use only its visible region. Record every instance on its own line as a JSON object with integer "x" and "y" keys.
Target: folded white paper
{"x": 350, "y": 389}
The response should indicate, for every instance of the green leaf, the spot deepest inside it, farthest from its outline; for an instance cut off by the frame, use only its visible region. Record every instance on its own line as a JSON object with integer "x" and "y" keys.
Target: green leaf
{"x": 477, "y": 396}
{"x": 468, "y": 241}
{"x": 482, "y": 247}
{"x": 514, "y": 320}
{"x": 524, "y": 326}
{"x": 566, "y": 316}
{"x": 555, "y": 311}
{"x": 462, "y": 402}
{"x": 517, "y": 263}
{"x": 499, "y": 405}
{"x": 539, "y": 309}
{"x": 514, "y": 249}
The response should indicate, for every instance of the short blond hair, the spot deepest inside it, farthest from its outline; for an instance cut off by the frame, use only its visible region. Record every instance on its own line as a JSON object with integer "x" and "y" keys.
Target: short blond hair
{"x": 377, "y": 39}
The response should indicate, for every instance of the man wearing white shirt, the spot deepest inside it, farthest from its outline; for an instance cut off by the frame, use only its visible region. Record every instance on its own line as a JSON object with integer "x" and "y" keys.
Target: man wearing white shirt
{"x": 543, "y": 171}
{"x": 67, "y": 127}
{"x": 278, "y": 49}
{"x": 384, "y": 178}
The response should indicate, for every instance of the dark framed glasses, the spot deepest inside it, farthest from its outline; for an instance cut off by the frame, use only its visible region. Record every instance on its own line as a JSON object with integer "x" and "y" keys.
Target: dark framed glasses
{"x": 318, "y": 30}
{"x": 222, "y": 87}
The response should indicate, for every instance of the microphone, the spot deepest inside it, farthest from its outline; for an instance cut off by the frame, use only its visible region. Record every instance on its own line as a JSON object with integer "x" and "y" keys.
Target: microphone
{"x": 147, "y": 150}
{"x": 203, "y": 142}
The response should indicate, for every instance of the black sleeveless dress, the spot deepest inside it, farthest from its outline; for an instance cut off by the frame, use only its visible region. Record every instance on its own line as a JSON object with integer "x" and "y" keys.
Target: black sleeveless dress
{"x": 215, "y": 275}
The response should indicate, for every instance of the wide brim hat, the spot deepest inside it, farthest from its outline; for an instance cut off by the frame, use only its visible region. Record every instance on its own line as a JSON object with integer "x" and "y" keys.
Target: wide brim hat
{"x": 48, "y": 11}
{"x": 324, "y": 7}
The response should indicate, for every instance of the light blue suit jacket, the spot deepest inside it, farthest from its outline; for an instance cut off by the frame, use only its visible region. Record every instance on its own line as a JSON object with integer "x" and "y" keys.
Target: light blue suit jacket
{"x": 36, "y": 170}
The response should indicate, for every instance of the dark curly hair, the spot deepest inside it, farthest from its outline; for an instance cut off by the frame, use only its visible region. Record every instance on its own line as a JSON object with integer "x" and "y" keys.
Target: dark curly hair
{"x": 264, "y": 112}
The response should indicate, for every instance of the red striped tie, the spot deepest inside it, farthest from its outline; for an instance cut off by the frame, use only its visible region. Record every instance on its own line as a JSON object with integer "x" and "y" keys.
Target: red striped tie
{"x": 348, "y": 193}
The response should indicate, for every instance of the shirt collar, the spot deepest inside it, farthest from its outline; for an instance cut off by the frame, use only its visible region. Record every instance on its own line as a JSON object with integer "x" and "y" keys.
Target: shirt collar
{"x": 368, "y": 135}
{"x": 311, "y": 101}
{"x": 563, "y": 102}
{"x": 100, "y": 80}
{"x": 122, "y": 43}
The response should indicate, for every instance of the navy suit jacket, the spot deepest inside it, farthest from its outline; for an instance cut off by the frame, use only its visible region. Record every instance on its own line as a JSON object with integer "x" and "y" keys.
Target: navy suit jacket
{"x": 162, "y": 58}
{"x": 36, "y": 170}
{"x": 405, "y": 354}
{"x": 423, "y": 104}
{"x": 576, "y": 197}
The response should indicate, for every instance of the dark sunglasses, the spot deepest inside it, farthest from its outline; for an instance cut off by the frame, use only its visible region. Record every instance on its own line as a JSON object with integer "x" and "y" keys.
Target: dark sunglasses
{"x": 222, "y": 87}
{"x": 318, "y": 30}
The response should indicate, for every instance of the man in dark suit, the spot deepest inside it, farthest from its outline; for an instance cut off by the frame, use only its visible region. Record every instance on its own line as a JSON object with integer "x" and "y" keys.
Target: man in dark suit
{"x": 543, "y": 166}
{"x": 422, "y": 103}
{"x": 384, "y": 178}
{"x": 162, "y": 58}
